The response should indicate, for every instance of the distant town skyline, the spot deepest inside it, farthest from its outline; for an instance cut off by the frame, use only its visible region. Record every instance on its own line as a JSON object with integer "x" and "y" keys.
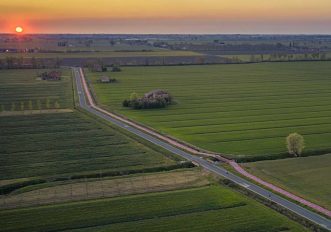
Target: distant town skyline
{"x": 167, "y": 16}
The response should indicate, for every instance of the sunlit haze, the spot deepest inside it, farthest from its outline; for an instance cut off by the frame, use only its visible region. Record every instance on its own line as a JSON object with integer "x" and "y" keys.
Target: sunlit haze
{"x": 166, "y": 16}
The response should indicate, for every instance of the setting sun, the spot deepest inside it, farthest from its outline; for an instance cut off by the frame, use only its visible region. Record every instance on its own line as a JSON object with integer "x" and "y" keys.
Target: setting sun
{"x": 19, "y": 29}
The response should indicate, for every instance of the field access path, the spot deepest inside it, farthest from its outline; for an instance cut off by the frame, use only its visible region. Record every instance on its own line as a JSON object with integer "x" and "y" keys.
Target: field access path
{"x": 87, "y": 103}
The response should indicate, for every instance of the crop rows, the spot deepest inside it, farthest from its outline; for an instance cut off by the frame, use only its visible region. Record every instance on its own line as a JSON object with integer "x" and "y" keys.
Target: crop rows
{"x": 67, "y": 143}
{"x": 201, "y": 209}
{"x": 244, "y": 110}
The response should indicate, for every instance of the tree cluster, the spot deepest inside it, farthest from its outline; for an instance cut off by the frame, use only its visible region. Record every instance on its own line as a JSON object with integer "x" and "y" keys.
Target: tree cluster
{"x": 50, "y": 75}
{"x": 28, "y": 63}
{"x": 150, "y": 102}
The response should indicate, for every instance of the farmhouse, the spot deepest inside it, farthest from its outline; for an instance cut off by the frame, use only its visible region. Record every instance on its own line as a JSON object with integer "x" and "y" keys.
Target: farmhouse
{"x": 105, "y": 79}
{"x": 99, "y": 68}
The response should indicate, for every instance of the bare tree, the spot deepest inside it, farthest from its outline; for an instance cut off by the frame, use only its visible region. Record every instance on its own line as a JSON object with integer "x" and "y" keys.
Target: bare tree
{"x": 56, "y": 105}
{"x": 48, "y": 103}
{"x": 30, "y": 105}
{"x": 39, "y": 104}
{"x": 13, "y": 106}
{"x": 22, "y": 105}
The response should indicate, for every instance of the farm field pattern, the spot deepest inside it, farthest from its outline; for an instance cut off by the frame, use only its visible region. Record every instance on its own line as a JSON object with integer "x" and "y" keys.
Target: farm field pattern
{"x": 60, "y": 146}
{"x": 242, "y": 110}
{"x": 201, "y": 209}
{"x": 68, "y": 143}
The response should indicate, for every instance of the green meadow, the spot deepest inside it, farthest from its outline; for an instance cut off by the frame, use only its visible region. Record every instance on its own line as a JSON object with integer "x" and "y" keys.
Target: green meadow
{"x": 46, "y": 157}
{"x": 245, "y": 111}
{"x": 308, "y": 177}
{"x": 212, "y": 208}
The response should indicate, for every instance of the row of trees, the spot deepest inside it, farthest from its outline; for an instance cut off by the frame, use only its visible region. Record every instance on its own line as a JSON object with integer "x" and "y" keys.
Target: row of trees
{"x": 20, "y": 63}
{"x": 30, "y": 105}
{"x": 99, "y": 66}
{"x": 288, "y": 57}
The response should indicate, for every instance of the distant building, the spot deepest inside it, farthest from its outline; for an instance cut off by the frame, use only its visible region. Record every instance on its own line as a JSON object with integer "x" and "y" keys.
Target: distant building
{"x": 27, "y": 63}
{"x": 62, "y": 44}
{"x": 99, "y": 68}
{"x": 105, "y": 79}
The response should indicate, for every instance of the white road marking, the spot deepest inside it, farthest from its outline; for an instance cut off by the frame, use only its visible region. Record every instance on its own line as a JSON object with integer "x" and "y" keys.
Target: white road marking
{"x": 245, "y": 185}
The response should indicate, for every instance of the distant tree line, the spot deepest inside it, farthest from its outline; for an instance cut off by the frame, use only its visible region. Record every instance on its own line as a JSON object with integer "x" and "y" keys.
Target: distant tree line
{"x": 288, "y": 57}
{"x": 100, "y": 66}
{"x": 28, "y": 63}
{"x": 38, "y": 104}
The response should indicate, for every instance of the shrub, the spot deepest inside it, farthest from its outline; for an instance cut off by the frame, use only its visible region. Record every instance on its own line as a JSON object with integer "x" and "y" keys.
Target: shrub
{"x": 126, "y": 103}
{"x": 116, "y": 69}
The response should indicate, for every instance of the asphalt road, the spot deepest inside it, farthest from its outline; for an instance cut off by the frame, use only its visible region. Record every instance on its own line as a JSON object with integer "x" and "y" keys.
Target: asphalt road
{"x": 314, "y": 217}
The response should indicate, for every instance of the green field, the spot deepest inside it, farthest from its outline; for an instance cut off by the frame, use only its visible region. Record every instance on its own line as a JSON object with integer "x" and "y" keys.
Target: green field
{"x": 308, "y": 177}
{"x": 78, "y": 168}
{"x": 20, "y": 90}
{"x": 244, "y": 110}
{"x": 66, "y": 144}
{"x": 202, "y": 209}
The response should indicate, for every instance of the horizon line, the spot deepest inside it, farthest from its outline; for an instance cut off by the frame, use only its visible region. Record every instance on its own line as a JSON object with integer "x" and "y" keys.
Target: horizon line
{"x": 95, "y": 33}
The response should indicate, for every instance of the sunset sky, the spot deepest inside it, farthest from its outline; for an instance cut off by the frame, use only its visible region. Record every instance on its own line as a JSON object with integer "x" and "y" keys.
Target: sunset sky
{"x": 166, "y": 16}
